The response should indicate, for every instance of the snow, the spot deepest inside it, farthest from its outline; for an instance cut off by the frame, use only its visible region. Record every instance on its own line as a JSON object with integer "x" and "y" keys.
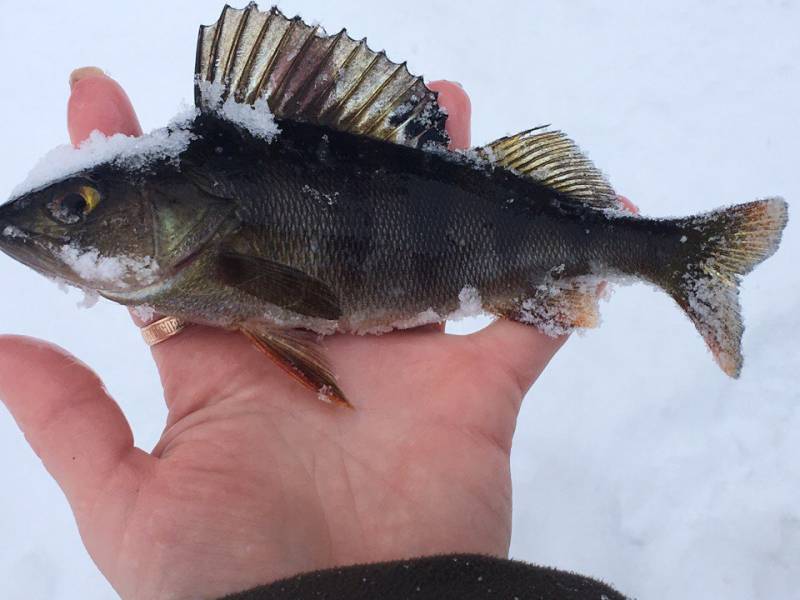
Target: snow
{"x": 89, "y": 300}
{"x": 144, "y": 312}
{"x": 257, "y": 119}
{"x": 325, "y": 394}
{"x": 469, "y": 304}
{"x": 553, "y": 310}
{"x": 426, "y": 317}
{"x": 14, "y": 232}
{"x": 135, "y": 153}
{"x": 118, "y": 271}
{"x": 327, "y": 198}
{"x": 378, "y": 322}
{"x": 635, "y": 459}
{"x": 139, "y": 152}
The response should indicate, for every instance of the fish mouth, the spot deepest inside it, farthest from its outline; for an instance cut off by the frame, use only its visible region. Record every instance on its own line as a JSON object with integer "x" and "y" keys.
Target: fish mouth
{"x": 45, "y": 254}
{"x": 32, "y": 249}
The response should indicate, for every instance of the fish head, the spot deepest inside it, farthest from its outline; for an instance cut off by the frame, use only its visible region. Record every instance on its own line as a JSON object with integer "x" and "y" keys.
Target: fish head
{"x": 93, "y": 229}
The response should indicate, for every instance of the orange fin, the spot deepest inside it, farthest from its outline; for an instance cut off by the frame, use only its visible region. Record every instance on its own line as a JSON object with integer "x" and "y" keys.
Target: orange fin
{"x": 556, "y": 311}
{"x": 301, "y": 358}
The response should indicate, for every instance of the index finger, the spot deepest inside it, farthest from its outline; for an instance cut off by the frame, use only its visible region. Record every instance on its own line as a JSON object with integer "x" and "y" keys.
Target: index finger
{"x": 97, "y": 102}
{"x": 455, "y": 101}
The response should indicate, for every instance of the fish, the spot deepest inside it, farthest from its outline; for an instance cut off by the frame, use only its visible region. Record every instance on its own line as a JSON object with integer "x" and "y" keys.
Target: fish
{"x": 311, "y": 191}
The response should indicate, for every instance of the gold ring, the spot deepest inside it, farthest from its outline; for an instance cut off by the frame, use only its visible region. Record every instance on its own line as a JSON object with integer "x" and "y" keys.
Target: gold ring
{"x": 161, "y": 330}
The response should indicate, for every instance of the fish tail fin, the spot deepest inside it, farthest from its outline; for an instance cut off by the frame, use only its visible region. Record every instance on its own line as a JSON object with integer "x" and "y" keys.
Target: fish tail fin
{"x": 715, "y": 250}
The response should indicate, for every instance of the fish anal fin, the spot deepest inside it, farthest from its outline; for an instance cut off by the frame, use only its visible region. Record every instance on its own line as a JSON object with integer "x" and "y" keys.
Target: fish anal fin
{"x": 301, "y": 358}
{"x": 554, "y": 160}
{"x": 279, "y": 284}
{"x": 306, "y": 75}
{"x": 555, "y": 310}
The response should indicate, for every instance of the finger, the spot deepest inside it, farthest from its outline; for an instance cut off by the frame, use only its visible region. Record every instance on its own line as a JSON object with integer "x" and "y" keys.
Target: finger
{"x": 189, "y": 361}
{"x": 66, "y": 414}
{"x": 521, "y": 349}
{"x": 626, "y": 202}
{"x": 97, "y": 102}
{"x": 630, "y": 207}
{"x": 455, "y": 101}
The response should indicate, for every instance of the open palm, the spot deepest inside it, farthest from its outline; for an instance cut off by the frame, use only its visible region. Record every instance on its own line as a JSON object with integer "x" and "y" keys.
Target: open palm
{"x": 254, "y": 478}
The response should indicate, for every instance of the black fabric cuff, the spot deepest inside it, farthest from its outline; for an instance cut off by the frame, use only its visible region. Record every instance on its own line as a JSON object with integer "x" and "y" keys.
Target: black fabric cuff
{"x": 456, "y": 577}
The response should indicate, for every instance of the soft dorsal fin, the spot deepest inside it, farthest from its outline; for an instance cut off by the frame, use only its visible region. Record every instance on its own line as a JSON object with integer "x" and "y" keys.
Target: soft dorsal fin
{"x": 306, "y": 75}
{"x": 551, "y": 158}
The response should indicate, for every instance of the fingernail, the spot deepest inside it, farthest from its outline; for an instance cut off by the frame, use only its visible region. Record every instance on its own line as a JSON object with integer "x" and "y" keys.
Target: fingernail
{"x": 85, "y": 73}
{"x": 626, "y": 202}
{"x": 98, "y": 102}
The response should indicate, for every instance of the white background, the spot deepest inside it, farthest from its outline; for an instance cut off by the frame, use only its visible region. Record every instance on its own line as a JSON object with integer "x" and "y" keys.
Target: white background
{"x": 636, "y": 460}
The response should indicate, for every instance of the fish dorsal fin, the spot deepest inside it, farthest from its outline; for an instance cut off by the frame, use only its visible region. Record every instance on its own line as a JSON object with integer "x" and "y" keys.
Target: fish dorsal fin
{"x": 554, "y": 160}
{"x": 306, "y": 75}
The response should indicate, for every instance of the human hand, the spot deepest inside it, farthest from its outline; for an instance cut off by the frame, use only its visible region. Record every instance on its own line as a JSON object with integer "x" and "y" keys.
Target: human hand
{"x": 254, "y": 479}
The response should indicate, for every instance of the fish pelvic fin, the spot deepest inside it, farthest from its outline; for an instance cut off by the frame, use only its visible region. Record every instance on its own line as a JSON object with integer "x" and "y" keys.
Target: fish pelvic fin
{"x": 721, "y": 247}
{"x": 301, "y": 357}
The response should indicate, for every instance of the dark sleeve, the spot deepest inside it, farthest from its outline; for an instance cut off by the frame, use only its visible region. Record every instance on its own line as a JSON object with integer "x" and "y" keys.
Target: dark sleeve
{"x": 449, "y": 577}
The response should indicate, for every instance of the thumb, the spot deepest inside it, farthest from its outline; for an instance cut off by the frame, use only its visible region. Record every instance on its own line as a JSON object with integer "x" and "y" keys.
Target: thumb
{"x": 524, "y": 351}
{"x": 521, "y": 350}
{"x": 67, "y": 417}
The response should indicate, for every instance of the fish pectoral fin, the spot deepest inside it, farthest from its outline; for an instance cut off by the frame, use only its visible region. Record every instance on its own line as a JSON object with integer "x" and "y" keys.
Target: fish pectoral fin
{"x": 301, "y": 357}
{"x": 554, "y": 160}
{"x": 557, "y": 310}
{"x": 279, "y": 284}
{"x": 306, "y": 75}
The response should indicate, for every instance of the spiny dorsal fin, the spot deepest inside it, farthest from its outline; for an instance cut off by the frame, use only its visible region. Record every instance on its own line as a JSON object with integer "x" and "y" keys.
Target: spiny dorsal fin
{"x": 551, "y": 158}
{"x": 306, "y": 75}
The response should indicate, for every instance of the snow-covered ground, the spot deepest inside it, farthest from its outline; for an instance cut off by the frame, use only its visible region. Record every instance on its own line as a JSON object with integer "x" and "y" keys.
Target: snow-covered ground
{"x": 636, "y": 460}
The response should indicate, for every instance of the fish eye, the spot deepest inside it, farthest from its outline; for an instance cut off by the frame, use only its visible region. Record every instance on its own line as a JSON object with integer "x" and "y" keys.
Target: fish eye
{"x": 74, "y": 206}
